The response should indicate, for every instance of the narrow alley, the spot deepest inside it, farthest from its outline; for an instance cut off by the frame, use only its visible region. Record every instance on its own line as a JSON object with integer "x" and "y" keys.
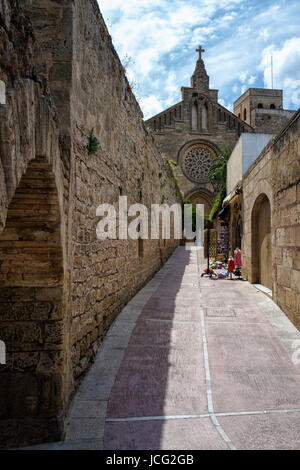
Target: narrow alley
{"x": 191, "y": 363}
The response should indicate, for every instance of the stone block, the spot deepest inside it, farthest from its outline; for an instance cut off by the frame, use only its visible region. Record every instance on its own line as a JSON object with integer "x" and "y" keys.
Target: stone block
{"x": 283, "y": 276}
{"x": 85, "y": 428}
{"x": 290, "y": 300}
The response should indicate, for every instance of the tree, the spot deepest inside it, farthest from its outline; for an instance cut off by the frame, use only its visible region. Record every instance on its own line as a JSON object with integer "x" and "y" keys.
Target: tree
{"x": 218, "y": 172}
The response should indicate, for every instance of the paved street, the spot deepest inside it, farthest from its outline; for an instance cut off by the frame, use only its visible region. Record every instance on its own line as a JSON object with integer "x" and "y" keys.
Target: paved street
{"x": 191, "y": 363}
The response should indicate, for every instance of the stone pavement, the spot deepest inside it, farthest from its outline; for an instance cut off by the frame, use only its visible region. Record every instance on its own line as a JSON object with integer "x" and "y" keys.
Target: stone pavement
{"x": 191, "y": 363}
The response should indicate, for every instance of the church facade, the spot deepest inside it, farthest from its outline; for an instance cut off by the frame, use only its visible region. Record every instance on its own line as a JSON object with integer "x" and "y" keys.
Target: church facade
{"x": 194, "y": 131}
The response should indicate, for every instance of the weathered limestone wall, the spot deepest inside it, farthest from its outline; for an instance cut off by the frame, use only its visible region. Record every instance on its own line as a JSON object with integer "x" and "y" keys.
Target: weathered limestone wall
{"x": 276, "y": 174}
{"x": 172, "y": 136}
{"x": 52, "y": 22}
{"x": 107, "y": 274}
{"x": 32, "y": 243}
{"x": 270, "y": 120}
{"x": 60, "y": 287}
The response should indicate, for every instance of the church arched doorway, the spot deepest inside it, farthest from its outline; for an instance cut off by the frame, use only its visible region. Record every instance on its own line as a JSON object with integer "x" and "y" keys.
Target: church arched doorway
{"x": 201, "y": 196}
{"x": 261, "y": 242}
{"x": 31, "y": 311}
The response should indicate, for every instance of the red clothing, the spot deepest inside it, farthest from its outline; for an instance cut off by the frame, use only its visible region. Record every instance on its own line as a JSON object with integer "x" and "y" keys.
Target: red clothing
{"x": 230, "y": 266}
{"x": 238, "y": 258}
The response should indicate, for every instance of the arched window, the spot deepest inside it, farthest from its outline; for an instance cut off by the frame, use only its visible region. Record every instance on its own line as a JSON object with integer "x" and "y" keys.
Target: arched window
{"x": 194, "y": 117}
{"x": 260, "y": 106}
{"x": 2, "y": 93}
{"x": 245, "y": 114}
{"x": 239, "y": 115}
{"x": 272, "y": 106}
{"x": 204, "y": 117}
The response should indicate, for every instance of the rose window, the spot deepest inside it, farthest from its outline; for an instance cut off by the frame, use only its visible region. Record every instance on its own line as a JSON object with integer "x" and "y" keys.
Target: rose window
{"x": 197, "y": 163}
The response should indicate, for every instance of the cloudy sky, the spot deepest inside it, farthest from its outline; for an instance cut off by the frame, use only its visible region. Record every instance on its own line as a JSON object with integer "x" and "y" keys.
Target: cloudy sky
{"x": 157, "y": 40}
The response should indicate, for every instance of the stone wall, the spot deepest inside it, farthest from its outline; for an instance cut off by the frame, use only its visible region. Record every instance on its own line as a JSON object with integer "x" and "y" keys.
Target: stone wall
{"x": 32, "y": 242}
{"x": 276, "y": 176}
{"x": 270, "y": 120}
{"x": 107, "y": 274}
{"x": 61, "y": 288}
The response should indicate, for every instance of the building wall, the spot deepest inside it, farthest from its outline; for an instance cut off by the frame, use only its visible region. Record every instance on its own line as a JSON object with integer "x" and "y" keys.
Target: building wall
{"x": 58, "y": 302}
{"x": 197, "y": 121}
{"x": 252, "y": 98}
{"x": 276, "y": 174}
{"x": 174, "y": 140}
{"x": 234, "y": 166}
{"x": 244, "y": 154}
{"x": 270, "y": 120}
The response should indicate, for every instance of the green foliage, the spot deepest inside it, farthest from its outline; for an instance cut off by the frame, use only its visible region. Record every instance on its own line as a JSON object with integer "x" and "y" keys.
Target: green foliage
{"x": 219, "y": 171}
{"x": 93, "y": 144}
{"x": 216, "y": 206}
{"x": 172, "y": 165}
{"x": 219, "y": 168}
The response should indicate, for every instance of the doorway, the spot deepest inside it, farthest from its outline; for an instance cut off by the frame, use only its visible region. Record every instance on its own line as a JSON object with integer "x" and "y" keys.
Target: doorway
{"x": 261, "y": 242}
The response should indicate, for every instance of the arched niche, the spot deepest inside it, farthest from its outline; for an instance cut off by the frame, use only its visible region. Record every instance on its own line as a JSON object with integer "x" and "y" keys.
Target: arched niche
{"x": 31, "y": 311}
{"x": 194, "y": 117}
{"x": 261, "y": 246}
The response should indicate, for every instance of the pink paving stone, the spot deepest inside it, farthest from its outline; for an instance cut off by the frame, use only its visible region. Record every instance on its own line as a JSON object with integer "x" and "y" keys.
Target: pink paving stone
{"x": 155, "y": 376}
{"x": 181, "y": 434}
{"x": 264, "y": 432}
{"x": 250, "y": 368}
{"x": 163, "y": 370}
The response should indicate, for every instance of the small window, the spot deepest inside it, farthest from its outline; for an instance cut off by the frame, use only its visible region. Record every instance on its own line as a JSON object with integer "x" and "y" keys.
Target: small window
{"x": 272, "y": 106}
{"x": 239, "y": 115}
{"x": 245, "y": 114}
{"x": 260, "y": 106}
{"x": 194, "y": 118}
{"x": 2, "y": 93}
{"x": 204, "y": 117}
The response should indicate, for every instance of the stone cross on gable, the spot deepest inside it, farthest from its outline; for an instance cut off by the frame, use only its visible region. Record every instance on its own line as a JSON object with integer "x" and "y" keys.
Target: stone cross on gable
{"x": 200, "y": 50}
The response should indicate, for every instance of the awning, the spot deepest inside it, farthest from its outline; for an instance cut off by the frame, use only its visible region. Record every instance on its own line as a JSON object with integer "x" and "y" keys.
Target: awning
{"x": 224, "y": 213}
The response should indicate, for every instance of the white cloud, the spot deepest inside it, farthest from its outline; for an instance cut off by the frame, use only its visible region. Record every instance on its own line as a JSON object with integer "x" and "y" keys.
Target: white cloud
{"x": 264, "y": 34}
{"x": 286, "y": 66}
{"x": 150, "y": 105}
{"x": 243, "y": 77}
{"x": 161, "y": 36}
